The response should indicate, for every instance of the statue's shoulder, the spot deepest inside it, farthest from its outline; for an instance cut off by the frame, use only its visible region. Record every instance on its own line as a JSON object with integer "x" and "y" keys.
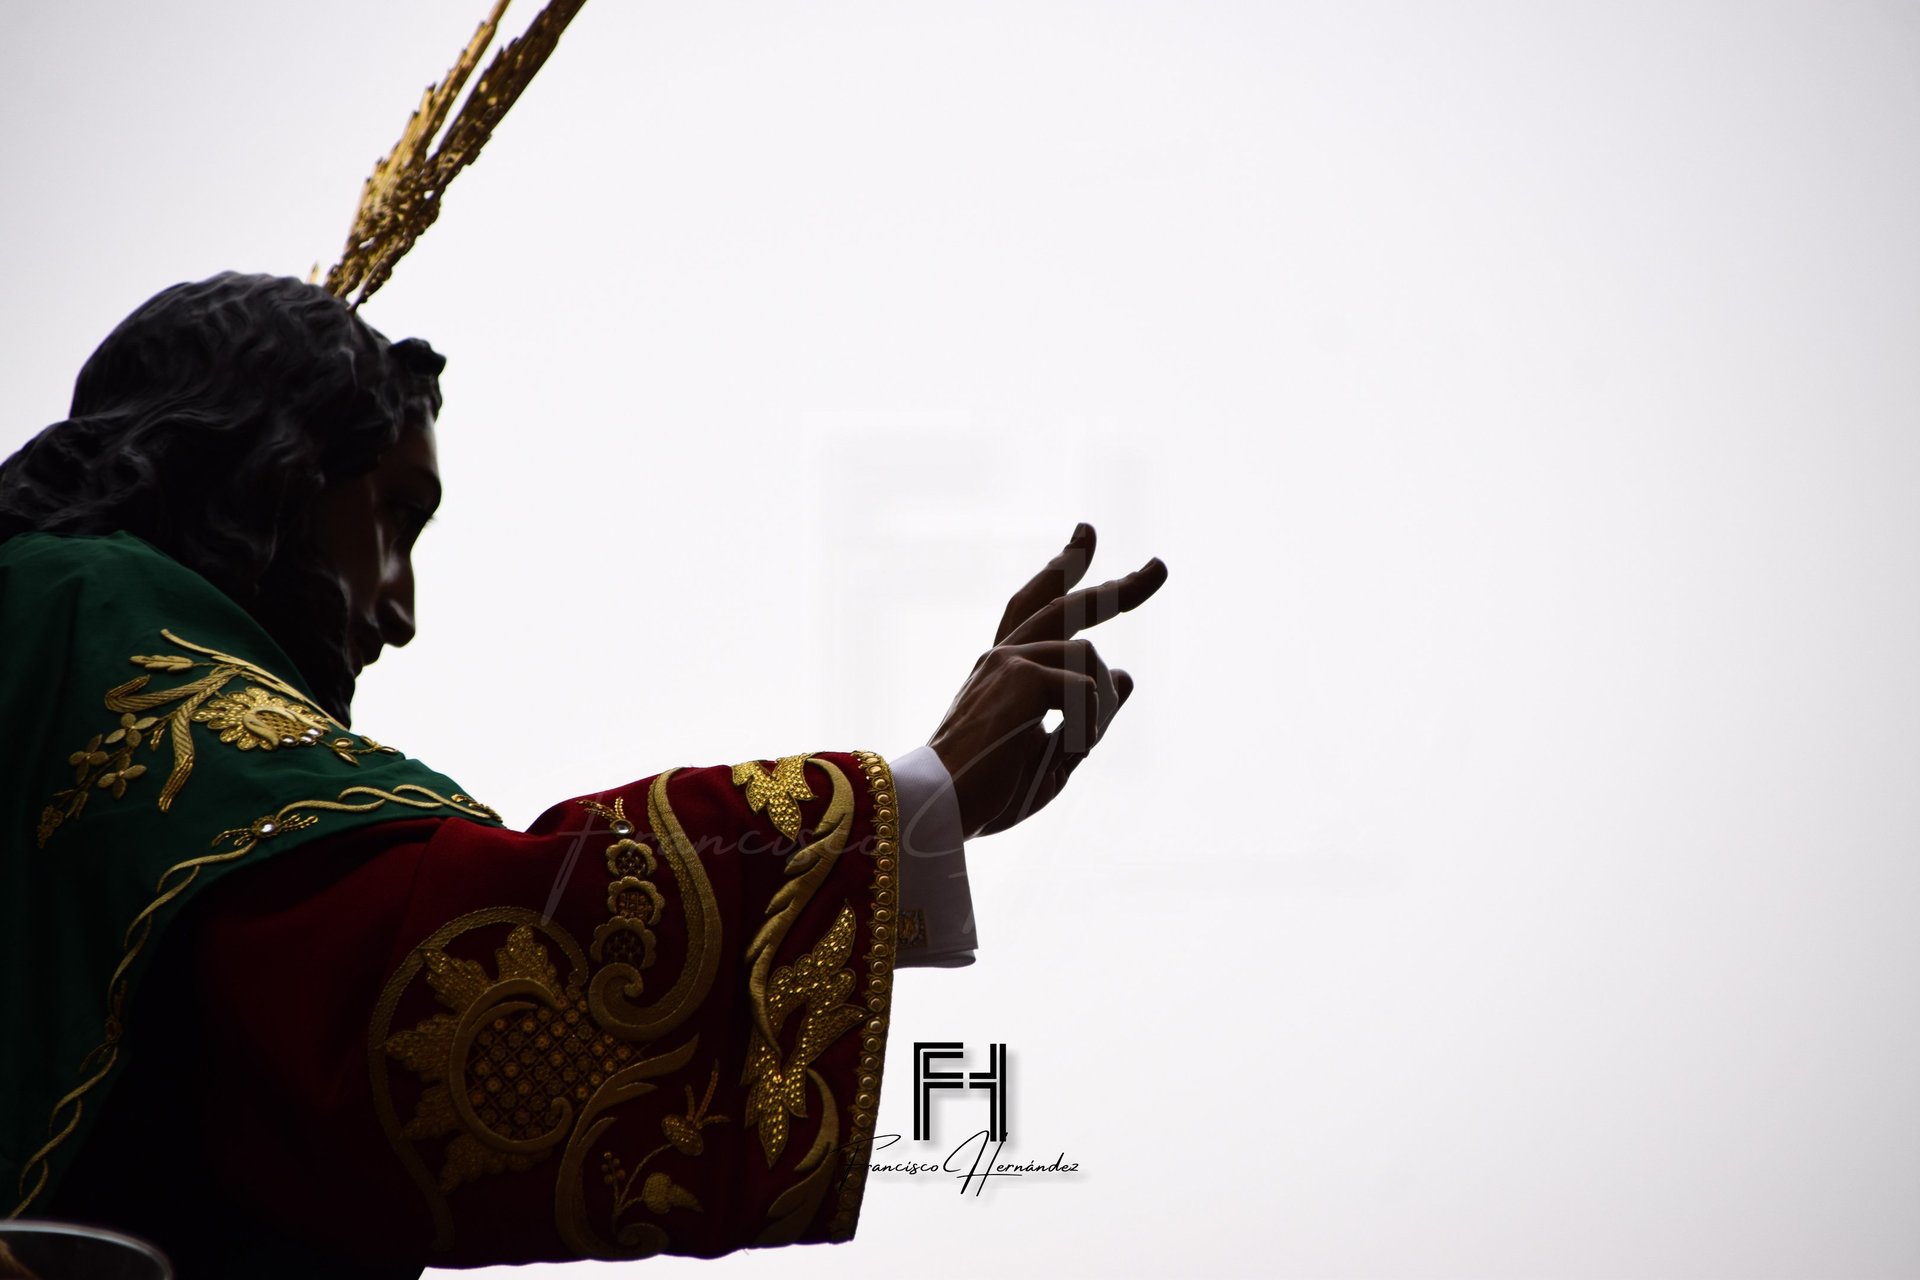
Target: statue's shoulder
{"x": 60, "y": 557}
{"x": 83, "y": 605}
{"x": 116, "y": 570}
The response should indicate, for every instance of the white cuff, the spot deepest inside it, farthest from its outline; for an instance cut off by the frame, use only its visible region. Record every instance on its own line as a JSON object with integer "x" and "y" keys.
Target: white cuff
{"x": 936, "y": 906}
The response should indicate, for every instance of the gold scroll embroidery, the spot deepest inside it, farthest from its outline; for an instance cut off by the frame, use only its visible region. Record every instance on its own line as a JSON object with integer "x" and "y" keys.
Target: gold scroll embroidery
{"x": 780, "y": 1075}
{"x": 266, "y": 715}
{"x": 819, "y": 982}
{"x": 537, "y": 1054}
{"x": 528, "y": 1060}
{"x": 173, "y": 882}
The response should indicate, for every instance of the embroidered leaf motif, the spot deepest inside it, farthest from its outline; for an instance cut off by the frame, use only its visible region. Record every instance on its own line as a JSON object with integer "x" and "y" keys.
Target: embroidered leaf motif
{"x": 509, "y": 1086}
{"x": 822, "y": 1028}
{"x": 826, "y": 987}
{"x": 819, "y": 981}
{"x": 524, "y": 957}
{"x": 435, "y": 1117}
{"x": 467, "y": 1160}
{"x": 457, "y": 982}
{"x": 777, "y": 792}
{"x": 427, "y": 1047}
{"x": 661, "y": 1193}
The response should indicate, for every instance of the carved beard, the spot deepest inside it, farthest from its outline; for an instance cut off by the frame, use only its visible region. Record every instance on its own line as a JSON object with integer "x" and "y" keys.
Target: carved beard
{"x": 302, "y": 607}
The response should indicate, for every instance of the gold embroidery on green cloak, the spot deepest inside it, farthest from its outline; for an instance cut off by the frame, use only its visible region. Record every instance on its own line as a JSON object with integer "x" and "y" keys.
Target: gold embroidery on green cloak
{"x": 264, "y": 714}
{"x": 176, "y": 880}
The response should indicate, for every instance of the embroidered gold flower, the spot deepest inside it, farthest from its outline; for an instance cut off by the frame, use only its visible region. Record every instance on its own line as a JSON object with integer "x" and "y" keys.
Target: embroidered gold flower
{"x": 88, "y": 770}
{"x": 521, "y": 1074}
{"x": 87, "y": 757}
{"x": 634, "y": 903}
{"x": 684, "y": 1131}
{"x": 119, "y": 778}
{"x": 130, "y": 730}
{"x": 252, "y": 717}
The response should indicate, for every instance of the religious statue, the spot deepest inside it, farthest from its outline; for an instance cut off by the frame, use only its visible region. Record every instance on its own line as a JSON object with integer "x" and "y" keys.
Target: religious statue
{"x": 289, "y": 1002}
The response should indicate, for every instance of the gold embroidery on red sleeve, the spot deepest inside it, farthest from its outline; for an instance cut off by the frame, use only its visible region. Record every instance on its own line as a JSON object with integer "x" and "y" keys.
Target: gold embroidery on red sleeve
{"x": 541, "y": 1019}
{"x": 660, "y": 1194}
{"x": 527, "y": 1059}
{"x": 683, "y": 1132}
{"x": 778, "y": 791}
{"x": 820, "y": 982}
{"x": 879, "y": 989}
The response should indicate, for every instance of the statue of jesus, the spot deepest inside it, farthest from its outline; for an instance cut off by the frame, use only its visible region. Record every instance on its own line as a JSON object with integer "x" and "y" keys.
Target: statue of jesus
{"x": 289, "y": 1002}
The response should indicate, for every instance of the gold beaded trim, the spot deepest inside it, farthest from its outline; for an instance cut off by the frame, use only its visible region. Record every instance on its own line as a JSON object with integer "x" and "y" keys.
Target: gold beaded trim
{"x": 173, "y": 882}
{"x": 880, "y": 957}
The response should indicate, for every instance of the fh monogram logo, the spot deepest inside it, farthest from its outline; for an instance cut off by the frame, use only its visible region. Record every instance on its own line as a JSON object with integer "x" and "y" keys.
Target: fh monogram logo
{"x": 986, "y": 1144}
{"x": 927, "y": 1077}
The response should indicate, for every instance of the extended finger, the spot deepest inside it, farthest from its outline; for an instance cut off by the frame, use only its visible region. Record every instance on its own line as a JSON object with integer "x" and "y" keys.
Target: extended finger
{"x": 1106, "y": 690}
{"x": 1084, "y": 729}
{"x": 1123, "y": 689}
{"x": 1060, "y": 576}
{"x": 1092, "y": 605}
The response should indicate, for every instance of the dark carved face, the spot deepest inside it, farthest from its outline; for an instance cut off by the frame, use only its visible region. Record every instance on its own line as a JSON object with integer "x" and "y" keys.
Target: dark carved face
{"x": 366, "y": 526}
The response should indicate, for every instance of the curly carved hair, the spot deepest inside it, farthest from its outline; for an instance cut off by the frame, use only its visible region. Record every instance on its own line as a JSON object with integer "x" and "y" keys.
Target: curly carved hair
{"x": 207, "y": 424}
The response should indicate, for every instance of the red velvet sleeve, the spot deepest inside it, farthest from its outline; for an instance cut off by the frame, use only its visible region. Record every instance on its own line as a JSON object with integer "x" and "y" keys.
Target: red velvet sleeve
{"x": 654, "y": 1022}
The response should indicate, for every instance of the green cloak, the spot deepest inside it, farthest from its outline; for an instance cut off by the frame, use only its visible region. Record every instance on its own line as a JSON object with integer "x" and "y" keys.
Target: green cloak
{"x": 155, "y": 740}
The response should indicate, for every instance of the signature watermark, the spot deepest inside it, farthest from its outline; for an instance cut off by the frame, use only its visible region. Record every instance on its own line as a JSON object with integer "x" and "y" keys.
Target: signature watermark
{"x": 969, "y": 1162}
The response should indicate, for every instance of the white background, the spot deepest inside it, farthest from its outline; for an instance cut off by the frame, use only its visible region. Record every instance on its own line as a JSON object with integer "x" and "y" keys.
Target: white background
{"x": 1506, "y": 866}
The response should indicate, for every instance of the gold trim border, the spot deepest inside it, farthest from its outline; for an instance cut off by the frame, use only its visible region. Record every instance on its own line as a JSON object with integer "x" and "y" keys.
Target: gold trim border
{"x": 881, "y": 952}
{"x": 102, "y": 1059}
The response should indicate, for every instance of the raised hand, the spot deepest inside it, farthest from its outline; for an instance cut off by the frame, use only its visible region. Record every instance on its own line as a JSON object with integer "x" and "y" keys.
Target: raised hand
{"x": 1004, "y": 765}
